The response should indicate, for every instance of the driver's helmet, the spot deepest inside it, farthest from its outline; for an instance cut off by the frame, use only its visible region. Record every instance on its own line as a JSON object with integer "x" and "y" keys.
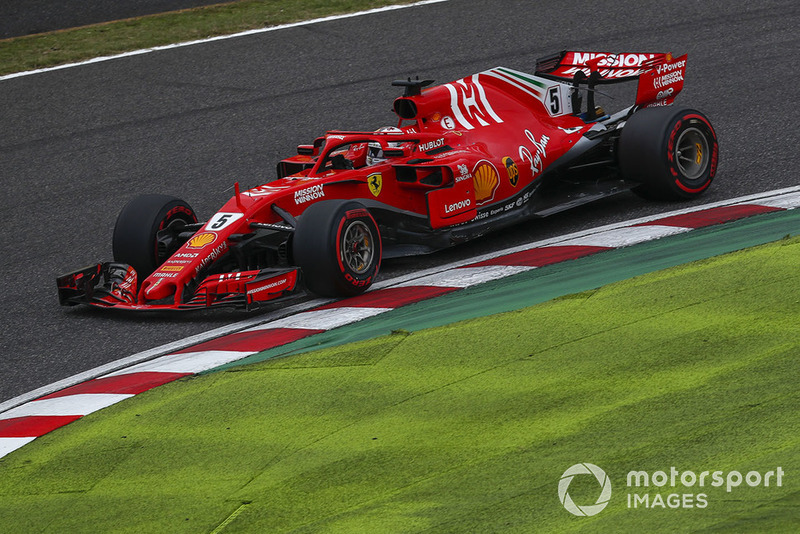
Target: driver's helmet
{"x": 374, "y": 150}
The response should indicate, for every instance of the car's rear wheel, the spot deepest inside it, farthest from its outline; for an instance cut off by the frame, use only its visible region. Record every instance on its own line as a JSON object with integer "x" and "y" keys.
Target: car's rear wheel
{"x": 337, "y": 246}
{"x": 671, "y": 152}
{"x": 145, "y": 234}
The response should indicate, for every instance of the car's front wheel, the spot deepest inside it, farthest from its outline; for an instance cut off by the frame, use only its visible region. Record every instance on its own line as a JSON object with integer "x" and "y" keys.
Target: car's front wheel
{"x": 671, "y": 152}
{"x": 146, "y": 230}
{"x": 337, "y": 246}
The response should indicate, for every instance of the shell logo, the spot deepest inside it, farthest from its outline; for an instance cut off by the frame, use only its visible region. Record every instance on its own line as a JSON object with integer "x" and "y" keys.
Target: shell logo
{"x": 486, "y": 182}
{"x": 201, "y": 240}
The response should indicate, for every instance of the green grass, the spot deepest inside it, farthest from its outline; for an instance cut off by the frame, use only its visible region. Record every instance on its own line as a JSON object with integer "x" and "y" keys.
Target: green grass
{"x": 464, "y": 428}
{"x": 56, "y": 48}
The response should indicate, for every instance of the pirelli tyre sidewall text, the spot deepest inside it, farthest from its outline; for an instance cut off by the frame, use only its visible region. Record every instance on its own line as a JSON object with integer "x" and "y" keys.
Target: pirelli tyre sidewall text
{"x": 672, "y": 151}
{"x": 136, "y": 231}
{"x": 337, "y": 246}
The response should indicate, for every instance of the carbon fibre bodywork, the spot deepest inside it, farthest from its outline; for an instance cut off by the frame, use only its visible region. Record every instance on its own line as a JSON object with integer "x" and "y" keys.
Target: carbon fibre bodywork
{"x": 466, "y": 158}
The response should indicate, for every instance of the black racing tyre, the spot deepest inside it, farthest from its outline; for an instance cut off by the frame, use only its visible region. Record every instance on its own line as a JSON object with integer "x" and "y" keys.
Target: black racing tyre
{"x": 337, "y": 246}
{"x": 136, "y": 232}
{"x": 672, "y": 152}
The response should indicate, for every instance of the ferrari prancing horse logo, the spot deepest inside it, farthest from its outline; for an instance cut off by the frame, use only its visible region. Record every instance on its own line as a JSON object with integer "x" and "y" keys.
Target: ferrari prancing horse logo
{"x": 375, "y": 183}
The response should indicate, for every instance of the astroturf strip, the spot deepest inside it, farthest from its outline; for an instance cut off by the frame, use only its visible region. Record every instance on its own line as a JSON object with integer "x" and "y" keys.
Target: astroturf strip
{"x": 462, "y": 428}
{"x": 546, "y": 283}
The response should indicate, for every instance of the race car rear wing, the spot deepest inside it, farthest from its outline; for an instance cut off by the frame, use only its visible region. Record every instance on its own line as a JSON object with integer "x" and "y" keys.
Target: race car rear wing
{"x": 660, "y": 75}
{"x": 610, "y": 68}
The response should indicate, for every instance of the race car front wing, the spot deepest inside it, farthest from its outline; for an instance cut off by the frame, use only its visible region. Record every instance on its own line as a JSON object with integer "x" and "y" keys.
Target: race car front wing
{"x": 115, "y": 285}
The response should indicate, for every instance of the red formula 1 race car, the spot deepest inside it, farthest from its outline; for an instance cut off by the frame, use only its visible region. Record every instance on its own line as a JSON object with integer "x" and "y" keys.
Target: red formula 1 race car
{"x": 466, "y": 158}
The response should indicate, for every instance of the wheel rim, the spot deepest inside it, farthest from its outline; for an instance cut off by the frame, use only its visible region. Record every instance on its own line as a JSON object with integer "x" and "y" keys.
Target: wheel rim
{"x": 691, "y": 153}
{"x": 358, "y": 249}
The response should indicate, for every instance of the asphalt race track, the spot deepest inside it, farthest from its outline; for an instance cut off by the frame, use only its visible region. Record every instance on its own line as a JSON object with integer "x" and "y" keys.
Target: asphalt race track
{"x": 76, "y": 144}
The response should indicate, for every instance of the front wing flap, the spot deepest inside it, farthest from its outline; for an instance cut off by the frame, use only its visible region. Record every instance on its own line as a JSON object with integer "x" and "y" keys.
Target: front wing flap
{"x": 115, "y": 285}
{"x": 103, "y": 284}
{"x": 244, "y": 289}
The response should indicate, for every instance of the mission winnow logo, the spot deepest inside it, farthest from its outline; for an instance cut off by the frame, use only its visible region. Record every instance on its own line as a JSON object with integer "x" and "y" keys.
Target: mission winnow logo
{"x": 686, "y": 489}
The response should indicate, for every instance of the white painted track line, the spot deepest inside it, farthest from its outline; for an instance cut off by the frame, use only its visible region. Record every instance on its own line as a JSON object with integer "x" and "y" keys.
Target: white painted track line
{"x": 9, "y": 445}
{"x": 219, "y": 38}
{"x": 467, "y": 276}
{"x": 323, "y": 319}
{"x": 185, "y": 362}
{"x": 625, "y": 237}
{"x": 81, "y": 404}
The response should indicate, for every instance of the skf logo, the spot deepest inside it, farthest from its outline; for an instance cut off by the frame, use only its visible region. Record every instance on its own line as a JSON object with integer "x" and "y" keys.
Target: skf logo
{"x": 512, "y": 170}
{"x": 201, "y": 240}
{"x": 375, "y": 183}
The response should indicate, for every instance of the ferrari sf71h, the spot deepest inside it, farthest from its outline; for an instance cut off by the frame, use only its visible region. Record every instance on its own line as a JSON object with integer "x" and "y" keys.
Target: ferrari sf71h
{"x": 466, "y": 158}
